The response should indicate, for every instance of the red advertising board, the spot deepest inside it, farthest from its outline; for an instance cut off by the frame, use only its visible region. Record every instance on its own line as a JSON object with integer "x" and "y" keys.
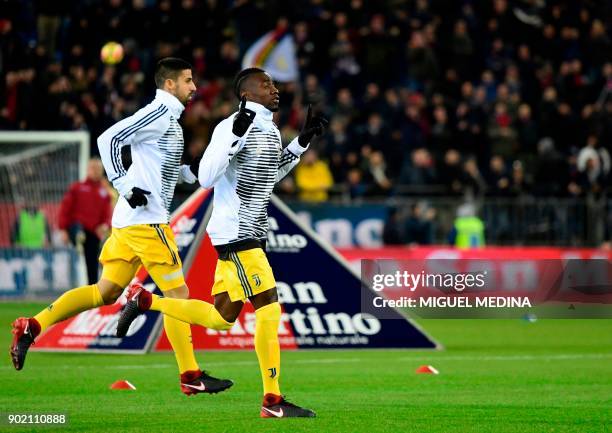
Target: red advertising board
{"x": 315, "y": 314}
{"x": 546, "y": 274}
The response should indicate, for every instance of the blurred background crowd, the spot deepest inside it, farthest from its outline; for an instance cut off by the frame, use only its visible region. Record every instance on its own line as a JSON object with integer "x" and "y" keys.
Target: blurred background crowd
{"x": 469, "y": 98}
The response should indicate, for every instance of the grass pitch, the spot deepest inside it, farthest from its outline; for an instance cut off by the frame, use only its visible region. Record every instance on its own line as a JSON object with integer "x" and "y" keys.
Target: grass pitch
{"x": 495, "y": 376}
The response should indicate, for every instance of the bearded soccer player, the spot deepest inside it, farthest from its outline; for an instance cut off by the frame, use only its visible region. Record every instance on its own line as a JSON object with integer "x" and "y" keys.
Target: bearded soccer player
{"x": 140, "y": 231}
{"x": 243, "y": 161}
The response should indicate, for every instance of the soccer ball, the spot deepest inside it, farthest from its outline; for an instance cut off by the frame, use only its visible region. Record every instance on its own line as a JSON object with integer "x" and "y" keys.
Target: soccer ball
{"x": 111, "y": 53}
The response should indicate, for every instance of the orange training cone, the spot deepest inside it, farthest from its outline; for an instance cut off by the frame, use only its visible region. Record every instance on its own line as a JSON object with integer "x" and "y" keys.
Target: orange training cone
{"x": 122, "y": 384}
{"x": 427, "y": 369}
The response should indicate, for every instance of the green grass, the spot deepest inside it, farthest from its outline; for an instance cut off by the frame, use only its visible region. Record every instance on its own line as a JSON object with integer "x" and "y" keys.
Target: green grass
{"x": 495, "y": 376}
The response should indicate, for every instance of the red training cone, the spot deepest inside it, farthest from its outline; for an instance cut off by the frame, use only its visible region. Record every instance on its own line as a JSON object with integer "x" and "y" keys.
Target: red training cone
{"x": 427, "y": 369}
{"x": 122, "y": 384}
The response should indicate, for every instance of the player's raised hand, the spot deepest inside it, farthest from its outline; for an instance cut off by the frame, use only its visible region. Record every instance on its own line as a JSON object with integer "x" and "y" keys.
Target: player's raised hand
{"x": 312, "y": 126}
{"x": 137, "y": 197}
{"x": 243, "y": 119}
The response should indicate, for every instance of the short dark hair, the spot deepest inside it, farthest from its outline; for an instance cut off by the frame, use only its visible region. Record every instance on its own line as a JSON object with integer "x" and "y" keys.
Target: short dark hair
{"x": 169, "y": 68}
{"x": 241, "y": 79}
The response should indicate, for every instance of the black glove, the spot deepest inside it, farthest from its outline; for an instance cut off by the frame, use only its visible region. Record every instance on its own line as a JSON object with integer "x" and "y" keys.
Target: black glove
{"x": 243, "y": 119}
{"x": 313, "y": 126}
{"x": 137, "y": 197}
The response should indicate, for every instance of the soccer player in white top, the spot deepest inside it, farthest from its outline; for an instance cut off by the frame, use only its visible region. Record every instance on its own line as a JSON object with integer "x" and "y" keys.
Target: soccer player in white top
{"x": 243, "y": 161}
{"x": 140, "y": 231}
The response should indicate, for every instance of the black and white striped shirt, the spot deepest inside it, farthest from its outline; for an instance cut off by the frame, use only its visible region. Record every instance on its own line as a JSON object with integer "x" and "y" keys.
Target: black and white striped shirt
{"x": 243, "y": 172}
{"x": 156, "y": 140}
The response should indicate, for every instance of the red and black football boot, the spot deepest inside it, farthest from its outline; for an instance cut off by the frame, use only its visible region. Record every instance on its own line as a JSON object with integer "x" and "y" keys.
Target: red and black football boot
{"x": 138, "y": 301}
{"x": 24, "y": 332}
{"x": 276, "y": 406}
{"x": 196, "y": 381}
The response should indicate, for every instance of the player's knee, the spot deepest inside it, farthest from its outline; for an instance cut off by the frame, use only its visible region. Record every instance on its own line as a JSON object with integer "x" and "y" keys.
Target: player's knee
{"x": 229, "y": 315}
{"x": 227, "y": 309}
{"x": 264, "y": 298}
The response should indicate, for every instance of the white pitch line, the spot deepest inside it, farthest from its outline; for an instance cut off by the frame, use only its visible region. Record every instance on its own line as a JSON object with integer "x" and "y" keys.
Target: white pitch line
{"x": 326, "y": 361}
{"x": 136, "y": 367}
{"x": 544, "y": 357}
{"x": 556, "y": 357}
{"x": 552, "y": 357}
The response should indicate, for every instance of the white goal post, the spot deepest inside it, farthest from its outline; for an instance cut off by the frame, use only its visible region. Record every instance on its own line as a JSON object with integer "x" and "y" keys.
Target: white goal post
{"x": 43, "y": 137}
{"x": 36, "y": 170}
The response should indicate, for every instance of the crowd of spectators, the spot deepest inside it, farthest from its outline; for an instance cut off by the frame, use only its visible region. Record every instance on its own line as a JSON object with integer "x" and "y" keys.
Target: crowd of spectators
{"x": 452, "y": 97}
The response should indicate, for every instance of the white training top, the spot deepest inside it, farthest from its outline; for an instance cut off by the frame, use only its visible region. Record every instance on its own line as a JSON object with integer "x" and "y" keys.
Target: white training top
{"x": 157, "y": 146}
{"x": 243, "y": 171}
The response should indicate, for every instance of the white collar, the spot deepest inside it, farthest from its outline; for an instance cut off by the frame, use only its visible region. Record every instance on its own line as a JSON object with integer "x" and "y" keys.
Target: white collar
{"x": 262, "y": 114}
{"x": 174, "y": 105}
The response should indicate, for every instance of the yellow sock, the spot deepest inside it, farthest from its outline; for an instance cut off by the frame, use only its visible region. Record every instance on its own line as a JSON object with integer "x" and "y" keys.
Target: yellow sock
{"x": 267, "y": 319}
{"x": 191, "y": 311}
{"x": 179, "y": 335}
{"x": 69, "y": 304}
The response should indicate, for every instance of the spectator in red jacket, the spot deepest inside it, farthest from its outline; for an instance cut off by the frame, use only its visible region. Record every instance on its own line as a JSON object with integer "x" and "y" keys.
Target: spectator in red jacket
{"x": 86, "y": 211}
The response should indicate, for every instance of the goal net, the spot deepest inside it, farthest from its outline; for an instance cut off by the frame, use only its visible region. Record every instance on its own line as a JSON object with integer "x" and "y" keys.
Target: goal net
{"x": 36, "y": 170}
